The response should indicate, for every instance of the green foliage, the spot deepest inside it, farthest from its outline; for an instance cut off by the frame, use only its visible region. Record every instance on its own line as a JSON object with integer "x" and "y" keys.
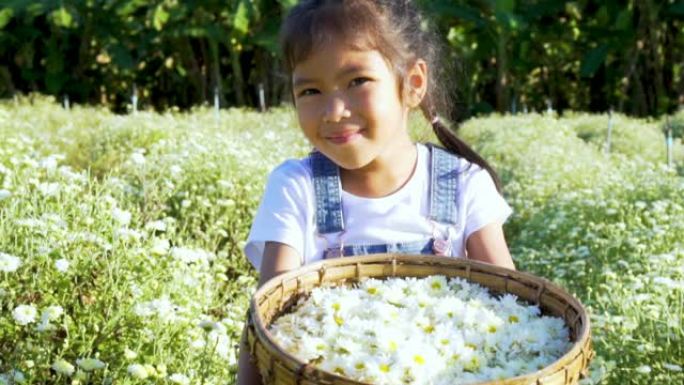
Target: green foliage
{"x": 513, "y": 55}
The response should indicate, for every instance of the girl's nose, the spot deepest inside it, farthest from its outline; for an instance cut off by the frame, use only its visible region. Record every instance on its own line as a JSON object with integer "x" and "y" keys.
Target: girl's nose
{"x": 335, "y": 110}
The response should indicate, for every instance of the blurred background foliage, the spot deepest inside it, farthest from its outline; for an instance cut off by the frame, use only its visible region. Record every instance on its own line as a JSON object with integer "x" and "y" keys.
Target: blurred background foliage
{"x": 512, "y": 55}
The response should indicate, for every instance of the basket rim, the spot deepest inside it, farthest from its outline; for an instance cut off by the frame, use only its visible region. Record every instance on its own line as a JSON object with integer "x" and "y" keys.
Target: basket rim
{"x": 268, "y": 342}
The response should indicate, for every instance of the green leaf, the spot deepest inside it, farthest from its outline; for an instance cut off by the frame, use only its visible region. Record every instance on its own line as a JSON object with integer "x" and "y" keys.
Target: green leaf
{"x": 287, "y": 4}
{"x": 121, "y": 57}
{"x": 676, "y": 8}
{"x": 62, "y": 18}
{"x": 241, "y": 18}
{"x": 160, "y": 17}
{"x": 624, "y": 20}
{"x": 5, "y": 16}
{"x": 504, "y": 6}
{"x": 593, "y": 59}
{"x": 268, "y": 36}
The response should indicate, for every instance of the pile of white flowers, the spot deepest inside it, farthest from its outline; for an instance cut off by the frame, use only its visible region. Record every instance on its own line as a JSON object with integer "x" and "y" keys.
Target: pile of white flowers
{"x": 420, "y": 331}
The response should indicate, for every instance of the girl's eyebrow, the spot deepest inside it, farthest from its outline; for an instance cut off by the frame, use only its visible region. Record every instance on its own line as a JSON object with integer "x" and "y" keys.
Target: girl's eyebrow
{"x": 299, "y": 81}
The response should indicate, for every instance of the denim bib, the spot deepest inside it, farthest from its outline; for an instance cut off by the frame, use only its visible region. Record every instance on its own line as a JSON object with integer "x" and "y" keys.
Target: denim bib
{"x": 329, "y": 218}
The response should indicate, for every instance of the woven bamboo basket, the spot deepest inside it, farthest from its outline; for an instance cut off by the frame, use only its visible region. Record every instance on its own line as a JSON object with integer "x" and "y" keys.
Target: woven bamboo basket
{"x": 278, "y": 367}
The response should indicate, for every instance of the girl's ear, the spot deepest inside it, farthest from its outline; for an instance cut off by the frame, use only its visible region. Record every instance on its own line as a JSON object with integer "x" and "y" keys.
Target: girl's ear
{"x": 416, "y": 83}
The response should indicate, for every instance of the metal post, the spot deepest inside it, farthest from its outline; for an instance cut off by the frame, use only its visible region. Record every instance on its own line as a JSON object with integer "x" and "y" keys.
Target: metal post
{"x": 514, "y": 106}
{"x": 134, "y": 99}
{"x": 262, "y": 98}
{"x": 610, "y": 132}
{"x": 217, "y": 105}
{"x": 669, "y": 144}
{"x": 66, "y": 104}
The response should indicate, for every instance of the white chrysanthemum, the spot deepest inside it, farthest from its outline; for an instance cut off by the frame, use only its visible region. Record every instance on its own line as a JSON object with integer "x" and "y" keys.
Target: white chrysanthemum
{"x": 672, "y": 367}
{"x": 160, "y": 247}
{"x": 24, "y": 314}
{"x": 191, "y": 255}
{"x": 129, "y": 354}
{"x": 62, "y": 265}
{"x": 180, "y": 379}
{"x": 436, "y": 330}
{"x": 48, "y": 189}
{"x": 90, "y": 364}
{"x": 156, "y": 225}
{"x": 9, "y": 263}
{"x": 644, "y": 369}
{"x": 14, "y": 376}
{"x": 138, "y": 371}
{"x": 126, "y": 234}
{"x": 62, "y": 366}
{"x": 138, "y": 158}
{"x": 52, "y": 313}
{"x": 4, "y": 194}
{"x": 122, "y": 217}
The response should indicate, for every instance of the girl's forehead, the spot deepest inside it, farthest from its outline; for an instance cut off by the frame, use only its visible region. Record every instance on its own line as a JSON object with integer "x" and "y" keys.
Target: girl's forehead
{"x": 341, "y": 54}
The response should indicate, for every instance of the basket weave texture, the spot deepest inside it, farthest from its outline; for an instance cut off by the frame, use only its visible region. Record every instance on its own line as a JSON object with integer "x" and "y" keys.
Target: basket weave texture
{"x": 275, "y": 297}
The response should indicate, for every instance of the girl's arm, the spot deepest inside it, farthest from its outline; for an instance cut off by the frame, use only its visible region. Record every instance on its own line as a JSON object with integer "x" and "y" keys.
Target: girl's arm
{"x": 489, "y": 245}
{"x": 278, "y": 258}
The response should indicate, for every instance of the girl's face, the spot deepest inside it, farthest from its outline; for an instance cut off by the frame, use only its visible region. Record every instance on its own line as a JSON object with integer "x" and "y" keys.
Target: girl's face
{"x": 348, "y": 105}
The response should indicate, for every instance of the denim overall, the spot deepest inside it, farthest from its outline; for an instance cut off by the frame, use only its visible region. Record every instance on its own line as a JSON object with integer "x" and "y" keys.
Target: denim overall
{"x": 329, "y": 218}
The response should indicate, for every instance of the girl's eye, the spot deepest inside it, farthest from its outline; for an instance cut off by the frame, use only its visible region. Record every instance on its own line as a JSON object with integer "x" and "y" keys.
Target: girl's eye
{"x": 358, "y": 81}
{"x": 308, "y": 91}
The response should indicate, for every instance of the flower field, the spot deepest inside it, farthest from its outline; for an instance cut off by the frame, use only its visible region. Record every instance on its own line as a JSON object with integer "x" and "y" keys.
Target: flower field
{"x": 120, "y": 236}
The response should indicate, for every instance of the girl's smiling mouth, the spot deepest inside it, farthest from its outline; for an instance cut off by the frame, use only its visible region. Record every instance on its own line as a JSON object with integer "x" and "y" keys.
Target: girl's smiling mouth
{"x": 344, "y": 136}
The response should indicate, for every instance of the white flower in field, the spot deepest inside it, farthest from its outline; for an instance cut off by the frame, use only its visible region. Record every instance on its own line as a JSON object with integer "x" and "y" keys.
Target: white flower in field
{"x": 14, "y": 376}
{"x": 665, "y": 281}
{"x": 180, "y": 379}
{"x": 128, "y": 235}
{"x": 191, "y": 255}
{"x": 9, "y": 263}
{"x": 160, "y": 247}
{"x": 643, "y": 369}
{"x": 48, "y": 189}
{"x": 138, "y": 158}
{"x": 208, "y": 325}
{"x": 24, "y": 314}
{"x": 52, "y": 313}
{"x": 90, "y": 364}
{"x": 156, "y": 225}
{"x": 49, "y": 163}
{"x": 129, "y": 354}
{"x": 62, "y": 366}
{"x": 122, "y": 217}
{"x": 175, "y": 170}
{"x": 162, "y": 307}
{"x": 62, "y": 265}
{"x": 672, "y": 367}
{"x": 4, "y": 194}
{"x": 138, "y": 371}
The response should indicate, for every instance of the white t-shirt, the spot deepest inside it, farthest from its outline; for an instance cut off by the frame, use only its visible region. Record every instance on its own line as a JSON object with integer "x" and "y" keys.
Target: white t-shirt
{"x": 287, "y": 209}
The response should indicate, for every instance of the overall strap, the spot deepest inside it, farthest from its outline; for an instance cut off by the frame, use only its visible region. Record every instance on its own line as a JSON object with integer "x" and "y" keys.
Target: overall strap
{"x": 328, "y": 191}
{"x": 443, "y": 185}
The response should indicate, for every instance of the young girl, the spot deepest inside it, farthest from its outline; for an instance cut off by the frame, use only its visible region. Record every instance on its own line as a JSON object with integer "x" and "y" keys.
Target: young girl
{"x": 357, "y": 68}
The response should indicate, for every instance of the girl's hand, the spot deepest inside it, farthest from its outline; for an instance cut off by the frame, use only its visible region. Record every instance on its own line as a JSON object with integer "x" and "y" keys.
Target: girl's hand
{"x": 278, "y": 258}
{"x": 489, "y": 245}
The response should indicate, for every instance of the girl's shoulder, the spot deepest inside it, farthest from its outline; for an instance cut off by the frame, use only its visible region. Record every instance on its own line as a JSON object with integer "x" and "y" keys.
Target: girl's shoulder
{"x": 291, "y": 174}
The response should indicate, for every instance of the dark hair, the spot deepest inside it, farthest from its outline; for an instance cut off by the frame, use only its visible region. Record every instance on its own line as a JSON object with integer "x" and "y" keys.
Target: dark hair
{"x": 397, "y": 29}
